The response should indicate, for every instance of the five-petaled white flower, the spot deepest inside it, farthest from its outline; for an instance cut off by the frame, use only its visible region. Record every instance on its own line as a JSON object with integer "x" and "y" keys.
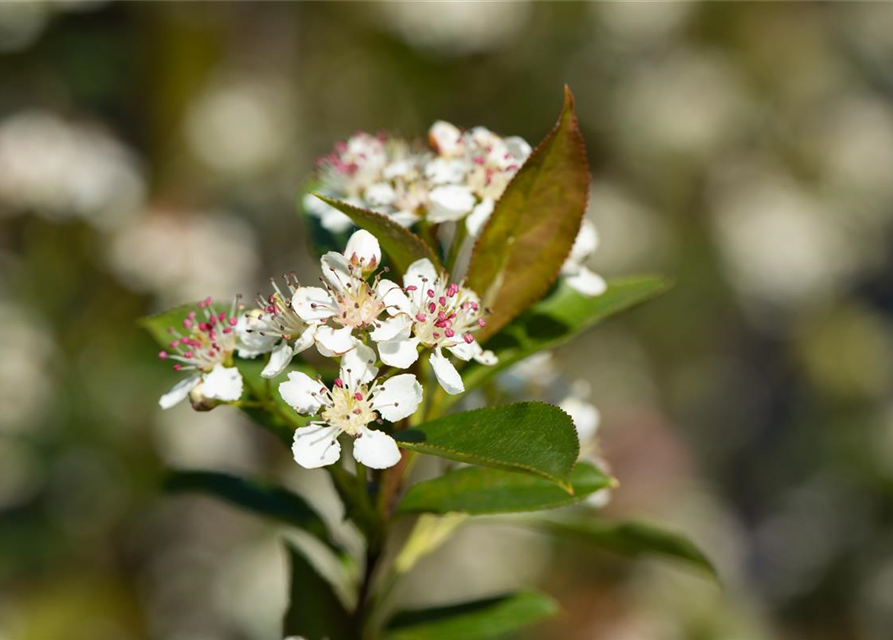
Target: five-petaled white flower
{"x": 433, "y": 312}
{"x": 347, "y": 300}
{"x": 206, "y": 349}
{"x": 355, "y": 400}
{"x": 574, "y": 269}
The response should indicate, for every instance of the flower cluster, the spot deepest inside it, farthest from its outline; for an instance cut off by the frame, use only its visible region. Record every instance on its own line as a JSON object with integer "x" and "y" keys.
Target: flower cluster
{"x": 460, "y": 176}
{"x": 354, "y": 310}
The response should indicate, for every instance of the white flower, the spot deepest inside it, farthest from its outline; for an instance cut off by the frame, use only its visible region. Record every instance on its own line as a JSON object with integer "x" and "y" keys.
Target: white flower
{"x": 587, "y": 419}
{"x": 206, "y": 349}
{"x": 574, "y": 269}
{"x": 437, "y": 314}
{"x": 347, "y": 299}
{"x": 354, "y": 401}
{"x": 276, "y": 328}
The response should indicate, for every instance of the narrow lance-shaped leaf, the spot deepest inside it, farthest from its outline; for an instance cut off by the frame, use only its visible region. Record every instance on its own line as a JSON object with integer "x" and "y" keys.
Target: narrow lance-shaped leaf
{"x": 402, "y": 245}
{"x": 555, "y": 320}
{"x": 265, "y": 500}
{"x": 530, "y": 437}
{"x": 479, "y": 491}
{"x": 314, "y": 610}
{"x": 479, "y": 620}
{"x": 630, "y": 538}
{"x": 533, "y": 227}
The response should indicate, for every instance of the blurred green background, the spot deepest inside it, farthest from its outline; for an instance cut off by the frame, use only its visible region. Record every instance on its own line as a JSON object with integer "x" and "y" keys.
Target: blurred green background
{"x": 150, "y": 154}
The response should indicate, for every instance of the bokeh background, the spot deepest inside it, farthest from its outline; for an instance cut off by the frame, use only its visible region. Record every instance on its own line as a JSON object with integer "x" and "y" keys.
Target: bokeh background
{"x": 151, "y": 153}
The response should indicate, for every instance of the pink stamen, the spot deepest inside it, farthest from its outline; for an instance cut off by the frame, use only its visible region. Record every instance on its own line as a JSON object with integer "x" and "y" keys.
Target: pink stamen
{"x": 411, "y": 287}
{"x": 449, "y": 333}
{"x": 187, "y": 323}
{"x": 162, "y": 355}
{"x": 339, "y": 383}
{"x": 442, "y": 301}
{"x": 430, "y": 293}
{"x": 482, "y": 322}
{"x": 468, "y": 338}
{"x": 432, "y": 307}
{"x": 233, "y": 322}
{"x": 421, "y": 317}
{"x": 358, "y": 396}
{"x": 177, "y": 367}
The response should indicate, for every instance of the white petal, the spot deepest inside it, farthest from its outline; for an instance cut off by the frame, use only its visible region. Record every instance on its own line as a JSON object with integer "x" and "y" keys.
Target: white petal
{"x": 486, "y": 358}
{"x": 222, "y": 383}
{"x": 585, "y": 416}
{"x": 446, "y": 170}
{"x": 600, "y": 498}
{"x": 587, "y": 282}
{"x": 358, "y": 366}
{"x": 465, "y": 350}
{"x": 336, "y": 270}
{"x": 302, "y": 393}
{"x": 313, "y": 304}
{"x": 392, "y": 328}
{"x": 585, "y": 243}
{"x": 446, "y": 373}
{"x": 335, "y": 221}
{"x": 280, "y": 358}
{"x": 404, "y": 218}
{"x": 330, "y": 218}
{"x": 478, "y": 216}
{"x": 399, "y": 353}
{"x": 306, "y": 339}
{"x": 397, "y": 397}
{"x": 334, "y": 342}
{"x": 380, "y": 194}
{"x": 446, "y": 138}
{"x": 316, "y": 445}
{"x": 179, "y": 392}
{"x": 363, "y": 247}
{"x": 420, "y": 274}
{"x": 450, "y": 202}
{"x": 518, "y": 147}
{"x": 394, "y": 298}
{"x": 252, "y": 341}
{"x": 375, "y": 449}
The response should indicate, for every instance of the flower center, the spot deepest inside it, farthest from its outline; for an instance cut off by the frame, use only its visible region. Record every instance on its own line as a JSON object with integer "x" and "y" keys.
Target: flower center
{"x": 445, "y": 314}
{"x": 349, "y": 410}
{"x": 358, "y": 306}
{"x": 207, "y": 341}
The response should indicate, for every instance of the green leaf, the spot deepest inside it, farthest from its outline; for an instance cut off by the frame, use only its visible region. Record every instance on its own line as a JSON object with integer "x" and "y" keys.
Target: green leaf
{"x": 157, "y": 325}
{"x": 402, "y": 245}
{"x": 531, "y": 437}
{"x": 631, "y": 539}
{"x": 533, "y": 227}
{"x": 559, "y": 318}
{"x": 314, "y": 611}
{"x": 262, "y": 499}
{"x": 478, "y": 491}
{"x": 478, "y": 620}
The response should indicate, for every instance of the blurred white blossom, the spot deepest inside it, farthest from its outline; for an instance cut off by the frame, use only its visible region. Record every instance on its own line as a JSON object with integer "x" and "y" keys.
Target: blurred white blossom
{"x": 242, "y": 125}
{"x": 26, "y": 382}
{"x": 183, "y": 256}
{"x": 60, "y": 169}
{"x": 456, "y": 28}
